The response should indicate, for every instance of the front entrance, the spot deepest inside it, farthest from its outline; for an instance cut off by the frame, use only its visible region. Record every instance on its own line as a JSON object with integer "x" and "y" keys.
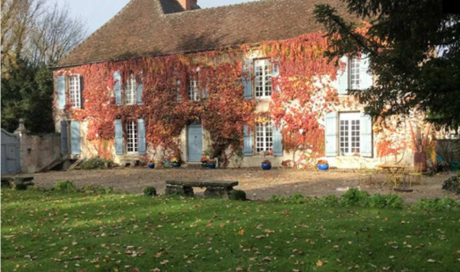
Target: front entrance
{"x": 10, "y": 153}
{"x": 194, "y": 142}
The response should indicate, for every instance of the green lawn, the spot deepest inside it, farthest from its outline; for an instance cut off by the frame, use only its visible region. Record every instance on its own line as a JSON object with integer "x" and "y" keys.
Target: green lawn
{"x": 78, "y": 232}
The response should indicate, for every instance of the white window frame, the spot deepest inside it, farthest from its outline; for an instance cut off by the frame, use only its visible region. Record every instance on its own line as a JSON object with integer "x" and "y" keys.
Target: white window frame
{"x": 349, "y": 133}
{"x": 194, "y": 86}
{"x": 263, "y": 78}
{"x": 132, "y": 146}
{"x": 75, "y": 92}
{"x": 354, "y": 73}
{"x": 131, "y": 90}
{"x": 263, "y": 137}
{"x": 178, "y": 93}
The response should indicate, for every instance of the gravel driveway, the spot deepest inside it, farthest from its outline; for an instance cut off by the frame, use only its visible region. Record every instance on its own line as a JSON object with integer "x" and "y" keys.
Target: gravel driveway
{"x": 258, "y": 184}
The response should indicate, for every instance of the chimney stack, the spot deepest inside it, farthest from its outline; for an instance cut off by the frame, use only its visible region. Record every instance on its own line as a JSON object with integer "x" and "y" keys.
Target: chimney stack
{"x": 188, "y": 4}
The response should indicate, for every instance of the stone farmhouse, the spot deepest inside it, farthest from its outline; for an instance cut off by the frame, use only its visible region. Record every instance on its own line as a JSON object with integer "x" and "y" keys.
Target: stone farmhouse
{"x": 165, "y": 78}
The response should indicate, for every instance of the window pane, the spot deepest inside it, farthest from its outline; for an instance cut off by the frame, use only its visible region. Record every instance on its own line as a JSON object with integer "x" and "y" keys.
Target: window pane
{"x": 263, "y": 81}
{"x": 130, "y": 90}
{"x": 131, "y": 130}
{"x": 74, "y": 92}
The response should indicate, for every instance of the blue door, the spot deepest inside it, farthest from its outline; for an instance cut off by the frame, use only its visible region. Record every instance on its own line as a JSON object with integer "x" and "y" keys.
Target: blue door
{"x": 194, "y": 143}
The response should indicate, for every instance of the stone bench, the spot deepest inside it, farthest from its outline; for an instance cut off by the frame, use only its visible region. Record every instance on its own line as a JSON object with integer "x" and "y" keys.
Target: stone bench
{"x": 13, "y": 181}
{"x": 213, "y": 188}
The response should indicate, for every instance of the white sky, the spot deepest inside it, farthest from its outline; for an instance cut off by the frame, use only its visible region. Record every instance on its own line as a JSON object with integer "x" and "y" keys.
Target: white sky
{"x": 97, "y": 12}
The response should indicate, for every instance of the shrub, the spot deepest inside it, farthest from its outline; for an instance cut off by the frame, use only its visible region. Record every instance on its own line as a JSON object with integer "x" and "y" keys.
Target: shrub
{"x": 20, "y": 187}
{"x": 330, "y": 200}
{"x": 436, "y": 204}
{"x": 238, "y": 195}
{"x": 96, "y": 189}
{"x": 355, "y": 197}
{"x": 150, "y": 191}
{"x": 65, "y": 186}
{"x": 93, "y": 164}
{"x": 394, "y": 201}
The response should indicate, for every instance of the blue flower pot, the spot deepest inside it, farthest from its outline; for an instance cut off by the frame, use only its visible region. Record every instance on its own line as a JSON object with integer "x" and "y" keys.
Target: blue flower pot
{"x": 212, "y": 166}
{"x": 323, "y": 167}
{"x": 151, "y": 165}
{"x": 266, "y": 166}
{"x": 176, "y": 164}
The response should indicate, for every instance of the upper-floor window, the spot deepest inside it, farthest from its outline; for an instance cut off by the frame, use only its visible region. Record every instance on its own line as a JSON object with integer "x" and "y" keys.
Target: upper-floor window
{"x": 264, "y": 137}
{"x": 194, "y": 86}
{"x": 354, "y": 73}
{"x": 131, "y": 131}
{"x": 263, "y": 78}
{"x": 130, "y": 90}
{"x": 74, "y": 91}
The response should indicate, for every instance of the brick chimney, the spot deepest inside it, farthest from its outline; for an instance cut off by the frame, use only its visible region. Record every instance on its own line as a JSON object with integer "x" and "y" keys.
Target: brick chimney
{"x": 188, "y": 4}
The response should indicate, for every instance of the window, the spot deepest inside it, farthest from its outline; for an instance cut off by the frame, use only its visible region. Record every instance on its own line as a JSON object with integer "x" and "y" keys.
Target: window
{"x": 130, "y": 90}
{"x": 263, "y": 78}
{"x": 193, "y": 87}
{"x": 264, "y": 137}
{"x": 74, "y": 91}
{"x": 131, "y": 130}
{"x": 354, "y": 73}
{"x": 349, "y": 138}
{"x": 178, "y": 93}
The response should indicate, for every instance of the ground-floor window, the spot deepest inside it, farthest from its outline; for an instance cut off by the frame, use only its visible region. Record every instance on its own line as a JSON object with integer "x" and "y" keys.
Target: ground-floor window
{"x": 264, "y": 137}
{"x": 349, "y": 138}
{"x": 131, "y": 130}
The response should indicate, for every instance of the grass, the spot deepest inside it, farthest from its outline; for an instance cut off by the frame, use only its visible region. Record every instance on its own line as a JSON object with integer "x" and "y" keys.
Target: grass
{"x": 52, "y": 231}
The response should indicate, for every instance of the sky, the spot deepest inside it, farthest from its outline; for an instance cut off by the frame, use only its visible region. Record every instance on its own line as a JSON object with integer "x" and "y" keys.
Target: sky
{"x": 97, "y": 12}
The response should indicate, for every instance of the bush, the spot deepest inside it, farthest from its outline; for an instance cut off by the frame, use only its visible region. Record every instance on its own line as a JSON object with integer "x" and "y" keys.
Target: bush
{"x": 20, "y": 187}
{"x": 330, "y": 201}
{"x": 96, "y": 189}
{"x": 238, "y": 195}
{"x": 355, "y": 197}
{"x": 65, "y": 186}
{"x": 93, "y": 164}
{"x": 436, "y": 204}
{"x": 150, "y": 191}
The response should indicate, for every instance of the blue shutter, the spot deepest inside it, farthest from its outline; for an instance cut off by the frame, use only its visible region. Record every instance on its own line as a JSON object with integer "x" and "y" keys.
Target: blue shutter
{"x": 118, "y": 137}
{"x": 117, "y": 87}
{"x": 64, "y": 140}
{"x": 75, "y": 138}
{"x": 331, "y": 134}
{"x": 61, "y": 92}
{"x": 141, "y": 136}
{"x": 140, "y": 87}
{"x": 247, "y": 79}
{"x": 365, "y": 74}
{"x": 275, "y": 68}
{"x": 365, "y": 135}
{"x": 342, "y": 77}
{"x": 277, "y": 141}
{"x": 247, "y": 146}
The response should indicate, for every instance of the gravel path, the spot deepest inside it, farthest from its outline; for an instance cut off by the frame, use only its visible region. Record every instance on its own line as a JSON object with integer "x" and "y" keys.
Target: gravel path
{"x": 258, "y": 184}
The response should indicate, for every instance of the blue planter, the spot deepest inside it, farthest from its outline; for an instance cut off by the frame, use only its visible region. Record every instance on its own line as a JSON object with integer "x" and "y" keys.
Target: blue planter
{"x": 176, "y": 164}
{"x": 266, "y": 166}
{"x": 323, "y": 166}
{"x": 151, "y": 165}
{"x": 212, "y": 166}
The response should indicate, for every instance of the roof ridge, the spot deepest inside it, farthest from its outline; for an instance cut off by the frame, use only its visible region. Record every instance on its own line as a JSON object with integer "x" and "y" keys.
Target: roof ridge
{"x": 257, "y": 2}
{"x": 105, "y": 24}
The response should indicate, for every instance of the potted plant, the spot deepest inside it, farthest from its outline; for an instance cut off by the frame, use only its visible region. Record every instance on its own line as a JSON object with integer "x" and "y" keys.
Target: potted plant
{"x": 212, "y": 164}
{"x": 266, "y": 165}
{"x": 151, "y": 164}
{"x": 204, "y": 161}
{"x": 322, "y": 165}
{"x": 175, "y": 162}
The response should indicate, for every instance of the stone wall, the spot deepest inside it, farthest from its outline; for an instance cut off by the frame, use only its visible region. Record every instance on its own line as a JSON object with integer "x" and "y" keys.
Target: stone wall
{"x": 37, "y": 151}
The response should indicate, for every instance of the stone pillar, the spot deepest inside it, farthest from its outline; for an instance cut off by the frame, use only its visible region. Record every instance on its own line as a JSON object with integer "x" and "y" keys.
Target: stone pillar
{"x": 21, "y": 130}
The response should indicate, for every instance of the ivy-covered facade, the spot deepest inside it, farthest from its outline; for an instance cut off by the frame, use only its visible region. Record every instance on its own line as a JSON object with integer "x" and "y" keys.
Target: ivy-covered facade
{"x": 242, "y": 100}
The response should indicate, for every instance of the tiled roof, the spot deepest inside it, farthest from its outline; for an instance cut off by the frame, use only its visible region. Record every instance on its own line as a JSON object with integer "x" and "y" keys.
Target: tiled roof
{"x": 162, "y": 27}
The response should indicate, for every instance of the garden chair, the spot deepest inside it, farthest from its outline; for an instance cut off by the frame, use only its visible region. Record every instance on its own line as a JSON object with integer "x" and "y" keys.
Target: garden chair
{"x": 365, "y": 176}
{"x": 415, "y": 175}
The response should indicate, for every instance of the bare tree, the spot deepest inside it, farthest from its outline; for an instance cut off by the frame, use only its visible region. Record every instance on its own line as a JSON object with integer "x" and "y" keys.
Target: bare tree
{"x": 55, "y": 33}
{"x": 37, "y": 31}
{"x": 17, "y": 18}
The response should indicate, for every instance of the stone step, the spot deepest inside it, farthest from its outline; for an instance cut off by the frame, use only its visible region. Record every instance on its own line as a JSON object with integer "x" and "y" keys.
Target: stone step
{"x": 194, "y": 165}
